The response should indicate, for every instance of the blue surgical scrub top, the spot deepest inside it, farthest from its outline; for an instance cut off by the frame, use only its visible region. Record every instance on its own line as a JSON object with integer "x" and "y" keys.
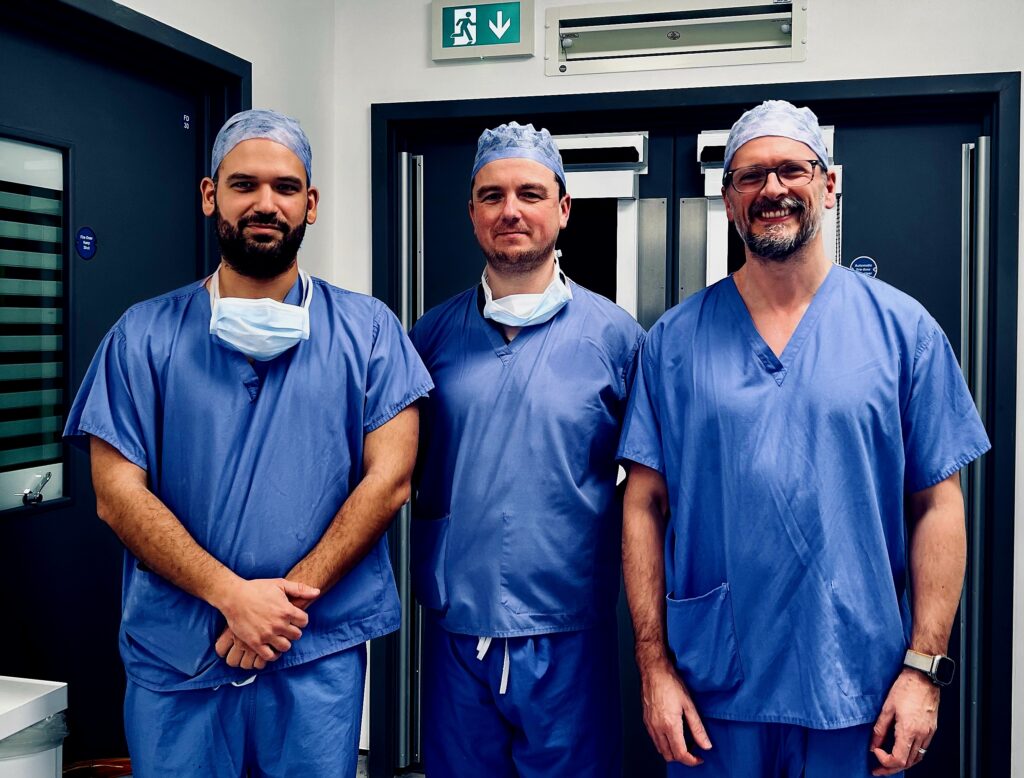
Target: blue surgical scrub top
{"x": 786, "y": 548}
{"x": 254, "y": 460}
{"x": 517, "y": 524}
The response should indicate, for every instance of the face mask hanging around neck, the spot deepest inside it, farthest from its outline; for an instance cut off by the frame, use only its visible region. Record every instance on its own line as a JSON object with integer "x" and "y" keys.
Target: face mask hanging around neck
{"x": 261, "y": 329}
{"x": 526, "y": 310}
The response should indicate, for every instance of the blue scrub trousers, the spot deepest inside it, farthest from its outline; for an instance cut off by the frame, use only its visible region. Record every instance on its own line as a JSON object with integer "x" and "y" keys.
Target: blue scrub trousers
{"x": 299, "y": 721}
{"x": 559, "y": 717}
{"x": 752, "y": 750}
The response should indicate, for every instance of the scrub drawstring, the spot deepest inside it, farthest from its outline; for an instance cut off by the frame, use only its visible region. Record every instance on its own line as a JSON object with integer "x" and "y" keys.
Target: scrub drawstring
{"x": 484, "y": 643}
{"x": 481, "y": 647}
{"x": 246, "y": 682}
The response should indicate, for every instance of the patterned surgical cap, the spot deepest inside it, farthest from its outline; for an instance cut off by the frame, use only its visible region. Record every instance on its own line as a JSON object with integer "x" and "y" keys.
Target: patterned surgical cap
{"x": 514, "y": 141}
{"x": 781, "y": 119}
{"x": 261, "y": 123}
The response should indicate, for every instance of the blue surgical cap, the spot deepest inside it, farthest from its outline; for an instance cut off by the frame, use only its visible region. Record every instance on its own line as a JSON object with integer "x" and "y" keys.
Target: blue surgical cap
{"x": 261, "y": 123}
{"x": 777, "y": 118}
{"x": 514, "y": 141}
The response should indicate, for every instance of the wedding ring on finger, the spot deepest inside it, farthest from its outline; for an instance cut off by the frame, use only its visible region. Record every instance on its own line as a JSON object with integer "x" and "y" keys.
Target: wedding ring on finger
{"x": 922, "y": 751}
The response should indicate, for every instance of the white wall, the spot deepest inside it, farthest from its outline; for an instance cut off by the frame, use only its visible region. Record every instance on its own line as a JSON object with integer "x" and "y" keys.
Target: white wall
{"x": 291, "y": 48}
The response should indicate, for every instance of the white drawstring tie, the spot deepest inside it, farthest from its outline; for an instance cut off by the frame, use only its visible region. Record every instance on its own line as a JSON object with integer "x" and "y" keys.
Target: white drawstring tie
{"x": 484, "y": 643}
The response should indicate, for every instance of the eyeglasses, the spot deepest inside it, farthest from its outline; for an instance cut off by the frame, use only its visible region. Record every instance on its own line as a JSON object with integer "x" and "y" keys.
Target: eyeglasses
{"x": 793, "y": 172}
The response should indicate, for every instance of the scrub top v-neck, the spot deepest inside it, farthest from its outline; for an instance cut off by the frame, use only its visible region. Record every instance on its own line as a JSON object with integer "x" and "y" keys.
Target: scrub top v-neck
{"x": 785, "y": 550}
{"x": 778, "y": 365}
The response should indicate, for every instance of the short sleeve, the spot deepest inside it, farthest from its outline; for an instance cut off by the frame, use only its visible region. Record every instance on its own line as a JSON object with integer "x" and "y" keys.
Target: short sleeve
{"x": 942, "y": 431}
{"x": 641, "y": 431}
{"x": 632, "y": 360}
{"x": 105, "y": 405}
{"x": 396, "y": 377}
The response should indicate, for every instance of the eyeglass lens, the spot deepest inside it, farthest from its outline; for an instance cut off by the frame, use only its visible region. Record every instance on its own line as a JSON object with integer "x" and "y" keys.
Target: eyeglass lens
{"x": 791, "y": 173}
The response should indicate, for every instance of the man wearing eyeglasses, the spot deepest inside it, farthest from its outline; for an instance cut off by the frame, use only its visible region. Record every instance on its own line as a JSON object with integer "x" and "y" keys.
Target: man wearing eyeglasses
{"x": 779, "y": 422}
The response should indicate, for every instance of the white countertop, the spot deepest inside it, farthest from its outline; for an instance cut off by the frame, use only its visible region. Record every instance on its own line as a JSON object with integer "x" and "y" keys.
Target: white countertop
{"x": 24, "y": 701}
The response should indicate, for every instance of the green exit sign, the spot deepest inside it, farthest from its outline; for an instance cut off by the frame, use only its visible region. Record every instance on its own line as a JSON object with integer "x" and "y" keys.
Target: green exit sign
{"x": 462, "y": 30}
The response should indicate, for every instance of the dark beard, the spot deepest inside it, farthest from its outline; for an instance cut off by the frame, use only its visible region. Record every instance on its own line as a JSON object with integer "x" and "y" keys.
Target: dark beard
{"x": 775, "y": 246}
{"x": 522, "y": 263}
{"x": 263, "y": 257}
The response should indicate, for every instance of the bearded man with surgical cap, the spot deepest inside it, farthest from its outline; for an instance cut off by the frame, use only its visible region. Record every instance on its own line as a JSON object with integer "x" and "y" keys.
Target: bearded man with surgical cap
{"x": 252, "y": 434}
{"x": 516, "y": 526}
{"x": 791, "y": 616}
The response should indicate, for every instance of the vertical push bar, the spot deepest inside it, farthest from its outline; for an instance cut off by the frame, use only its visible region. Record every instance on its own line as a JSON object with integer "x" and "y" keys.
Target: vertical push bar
{"x": 966, "y": 254}
{"x": 415, "y": 641}
{"x": 979, "y": 387}
{"x": 402, "y": 524}
{"x": 418, "y": 192}
{"x": 974, "y": 358}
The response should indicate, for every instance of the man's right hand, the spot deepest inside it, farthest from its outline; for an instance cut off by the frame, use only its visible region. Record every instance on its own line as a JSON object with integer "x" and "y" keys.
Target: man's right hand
{"x": 667, "y": 705}
{"x": 261, "y": 615}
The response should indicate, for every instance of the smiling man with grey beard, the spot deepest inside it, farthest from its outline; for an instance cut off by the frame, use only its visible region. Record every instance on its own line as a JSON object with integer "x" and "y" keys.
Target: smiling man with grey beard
{"x": 775, "y": 242}
{"x": 780, "y": 421}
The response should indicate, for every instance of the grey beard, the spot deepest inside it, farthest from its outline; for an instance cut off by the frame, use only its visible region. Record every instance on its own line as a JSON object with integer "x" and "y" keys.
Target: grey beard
{"x": 521, "y": 263}
{"x": 778, "y": 246}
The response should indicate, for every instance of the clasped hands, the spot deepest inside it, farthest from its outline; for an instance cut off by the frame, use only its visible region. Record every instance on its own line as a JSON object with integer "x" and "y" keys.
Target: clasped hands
{"x": 265, "y": 616}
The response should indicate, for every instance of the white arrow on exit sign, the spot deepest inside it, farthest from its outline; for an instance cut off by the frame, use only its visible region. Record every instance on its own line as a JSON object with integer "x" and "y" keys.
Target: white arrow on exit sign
{"x": 500, "y": 29}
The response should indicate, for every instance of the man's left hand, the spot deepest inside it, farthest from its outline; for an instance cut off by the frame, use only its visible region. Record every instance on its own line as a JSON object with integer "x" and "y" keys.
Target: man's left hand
{"x": 236, "y": 653}
{"x": 911, "y": 712}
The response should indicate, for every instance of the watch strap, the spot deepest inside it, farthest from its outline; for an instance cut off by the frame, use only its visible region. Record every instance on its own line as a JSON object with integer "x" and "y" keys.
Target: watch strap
{"x": 918, "y": 661}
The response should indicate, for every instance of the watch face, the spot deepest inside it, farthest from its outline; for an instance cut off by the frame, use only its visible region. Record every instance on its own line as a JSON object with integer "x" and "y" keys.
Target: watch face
{"x": 944, "y": 669}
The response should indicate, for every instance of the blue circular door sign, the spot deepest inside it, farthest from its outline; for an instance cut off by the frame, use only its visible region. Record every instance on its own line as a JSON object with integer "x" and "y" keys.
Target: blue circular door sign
{"x": 85, "y": 243}
{"x": 865, "y": 265}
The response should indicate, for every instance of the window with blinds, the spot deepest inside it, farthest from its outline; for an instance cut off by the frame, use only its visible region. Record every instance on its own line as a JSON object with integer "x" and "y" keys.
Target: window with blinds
{"x": 32, "y": 336}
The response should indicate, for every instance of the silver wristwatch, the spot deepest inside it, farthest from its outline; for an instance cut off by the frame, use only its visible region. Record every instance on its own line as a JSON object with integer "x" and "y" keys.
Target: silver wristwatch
{"x": 938, "y": 668}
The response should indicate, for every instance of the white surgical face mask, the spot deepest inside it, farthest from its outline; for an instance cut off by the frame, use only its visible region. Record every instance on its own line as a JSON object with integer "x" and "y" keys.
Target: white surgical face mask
{"x": 261, "y": 329}
{"x": 524, "y": 310}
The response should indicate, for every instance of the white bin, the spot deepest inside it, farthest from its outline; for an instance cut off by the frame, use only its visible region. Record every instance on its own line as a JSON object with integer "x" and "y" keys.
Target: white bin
{"x": 24, "y": 703}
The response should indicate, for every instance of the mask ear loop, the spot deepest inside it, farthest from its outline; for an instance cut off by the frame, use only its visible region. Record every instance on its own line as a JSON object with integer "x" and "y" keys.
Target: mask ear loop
{"x": 214, "y": 291}
{"x": 307, "y": 294}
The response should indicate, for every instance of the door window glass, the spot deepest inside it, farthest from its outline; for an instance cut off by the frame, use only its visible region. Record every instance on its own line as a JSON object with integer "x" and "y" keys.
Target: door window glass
{"x": 32, "y": 320}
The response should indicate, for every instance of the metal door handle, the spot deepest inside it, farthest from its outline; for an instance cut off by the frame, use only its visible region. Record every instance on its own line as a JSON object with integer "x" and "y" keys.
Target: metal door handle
{"x": 35, "y": 496}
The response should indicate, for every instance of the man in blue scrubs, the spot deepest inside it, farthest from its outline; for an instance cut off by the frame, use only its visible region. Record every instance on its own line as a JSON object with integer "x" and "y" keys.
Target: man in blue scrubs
{"x": 517, "y": 523}
{"x": 780, "y": 419}
{"x": 252, "y": 435}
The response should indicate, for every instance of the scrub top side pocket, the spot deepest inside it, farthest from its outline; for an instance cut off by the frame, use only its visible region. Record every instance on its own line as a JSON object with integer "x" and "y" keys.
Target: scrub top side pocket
{"x": 702, "y": 637}
{"x": 429, "y": 555}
